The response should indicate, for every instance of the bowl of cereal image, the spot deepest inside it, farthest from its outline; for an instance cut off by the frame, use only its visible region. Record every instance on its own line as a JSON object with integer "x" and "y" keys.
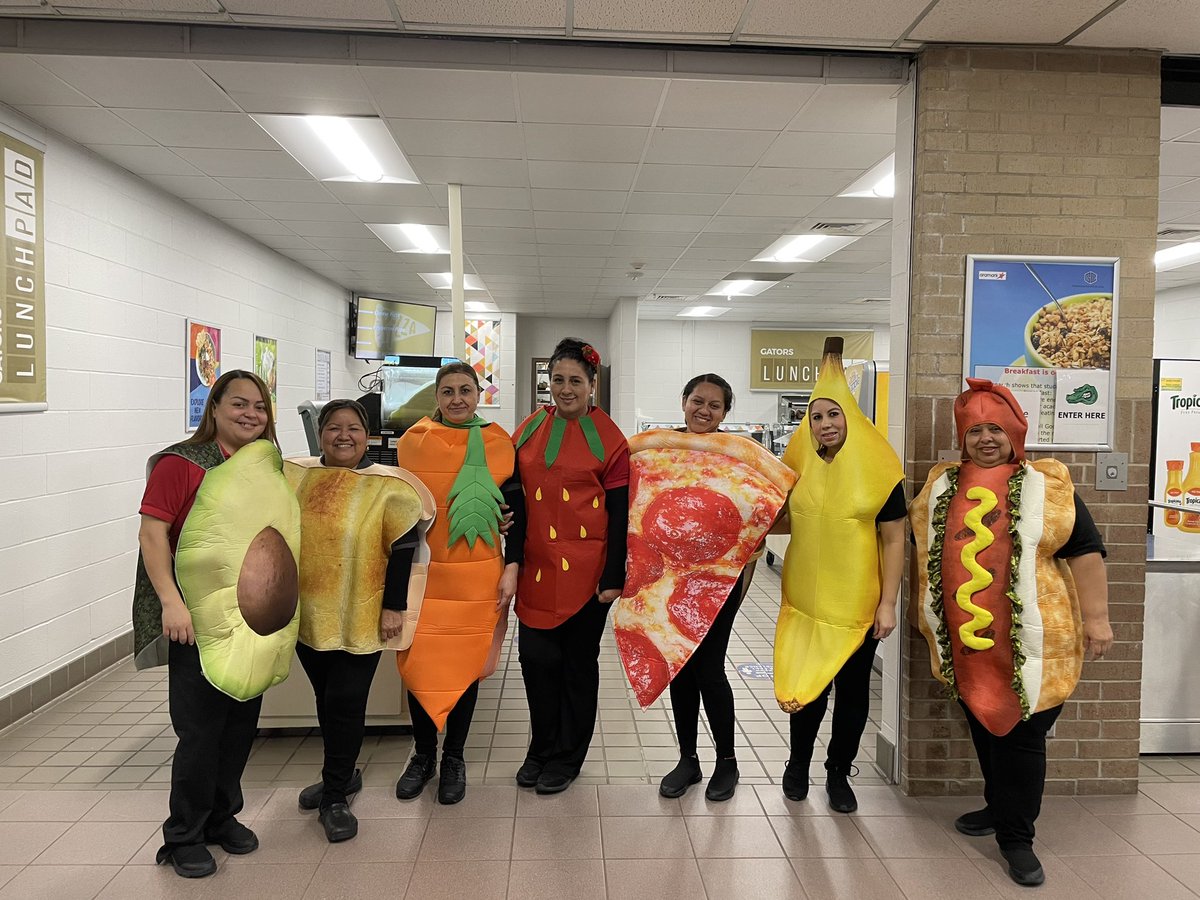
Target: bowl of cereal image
{"x": 1074, "y": 333}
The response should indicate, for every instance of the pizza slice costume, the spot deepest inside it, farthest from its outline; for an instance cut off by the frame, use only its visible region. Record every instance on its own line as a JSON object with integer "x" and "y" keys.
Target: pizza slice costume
{"x": 699, "y": 506}
{"x": 460, "y": 631}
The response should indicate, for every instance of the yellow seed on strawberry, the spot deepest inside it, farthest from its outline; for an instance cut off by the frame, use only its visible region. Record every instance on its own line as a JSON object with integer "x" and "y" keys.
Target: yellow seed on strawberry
{"x": 553, "y": 534}
{"x": 582, "y": 531}
{"x": 565, "y": 566}
{"x": 566, "y": 496}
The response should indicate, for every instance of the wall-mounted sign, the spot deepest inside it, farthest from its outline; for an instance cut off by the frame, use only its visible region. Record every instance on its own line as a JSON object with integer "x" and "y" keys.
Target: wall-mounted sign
{"x": 1175, "y": 460}
{"x": 324, "y": 374}
{"x": 483, "y": 355}
{"x": 203, "y": 361}
{"x": 1046, "y": 327}
{"x": 266, "y": 367}
{"x": 23, "y": 296}
{"x": 789, "y": 360}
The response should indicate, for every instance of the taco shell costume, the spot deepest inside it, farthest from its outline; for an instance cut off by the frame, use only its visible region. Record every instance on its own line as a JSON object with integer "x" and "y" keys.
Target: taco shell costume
{"x": 831, "y": 571}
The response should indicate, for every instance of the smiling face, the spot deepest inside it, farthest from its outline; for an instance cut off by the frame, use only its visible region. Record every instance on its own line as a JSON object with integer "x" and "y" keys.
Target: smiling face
{"x": 570, "y": 388}
{"x": 344, "y": 439}
{"x": 240, "y": 415}
{"x": 828, "y": 424}
{"x": 987, "y": 445}
{"x": 457, "y": 397}
{"x": 704, "y": 408}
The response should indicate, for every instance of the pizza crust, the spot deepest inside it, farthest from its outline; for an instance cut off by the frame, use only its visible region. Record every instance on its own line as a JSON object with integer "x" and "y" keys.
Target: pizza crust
{"x": 740, "y": 448}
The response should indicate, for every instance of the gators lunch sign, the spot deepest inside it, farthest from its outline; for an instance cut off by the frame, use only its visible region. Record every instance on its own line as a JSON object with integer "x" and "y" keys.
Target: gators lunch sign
{"x": 789, "y": 359}
{"x": 22, "y": 301}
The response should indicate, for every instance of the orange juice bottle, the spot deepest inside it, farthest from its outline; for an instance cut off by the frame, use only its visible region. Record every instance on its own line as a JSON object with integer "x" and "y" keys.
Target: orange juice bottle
{"x": 1191, "y": 493}
{"x": 1174, "y": 493}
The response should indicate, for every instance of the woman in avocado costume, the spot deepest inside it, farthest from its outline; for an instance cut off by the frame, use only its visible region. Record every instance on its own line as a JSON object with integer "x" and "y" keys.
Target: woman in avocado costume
{"x": 574, "y": 465}
{"x": 841, "y": 576}
{"x": 468, "y": 464}
{"x": 1011, "y": 592}
{"x": 216, "y": 601}
{"x": 362, "y": 578}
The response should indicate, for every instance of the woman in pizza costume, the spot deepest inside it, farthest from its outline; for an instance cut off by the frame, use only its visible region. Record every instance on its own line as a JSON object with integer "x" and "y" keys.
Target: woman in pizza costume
{"x": 215, "y": 600}
{"x": 1011, "y": 591}
{"x": 841, "y": 576}
{"x": 574, "y": 465}
{"x": 468, "y": 464}
{"x": 362, "y": 549}
{"x": 700, "y": 503}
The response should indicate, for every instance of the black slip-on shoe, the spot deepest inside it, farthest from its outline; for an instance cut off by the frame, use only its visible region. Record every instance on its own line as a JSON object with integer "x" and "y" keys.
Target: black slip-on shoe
{"x": 311, "y": 796}
{"x": 339, "y": 823}
{"x": 234, "y": 837}
{"x": 724, "y": 781}
{"x": 188, "y": 861}
{"x": 1023, "y": 866}
{"x": 977, "y": 823}
{"x": 676, "y": 782}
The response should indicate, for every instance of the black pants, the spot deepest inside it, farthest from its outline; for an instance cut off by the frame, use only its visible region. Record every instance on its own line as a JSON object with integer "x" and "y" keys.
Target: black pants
{"x": 1014, "y": 774}
{"x": 850, "y": 711}
{"x": 561, "y": 670}
{"x": 215, "y": 735}
{"x": 458, "y": 723}
{"x": 704, "y": 676}
{"x": 341, "y": 682}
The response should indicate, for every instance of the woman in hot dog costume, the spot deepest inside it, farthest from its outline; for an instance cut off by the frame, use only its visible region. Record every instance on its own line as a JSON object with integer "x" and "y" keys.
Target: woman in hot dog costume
{"x": 841, "y": 575}
{"x": 1008, "y": 561}
{"x": 468, "y": 464}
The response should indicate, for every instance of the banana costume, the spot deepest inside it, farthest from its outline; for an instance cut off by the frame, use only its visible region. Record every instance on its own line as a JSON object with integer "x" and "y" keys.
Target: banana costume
{"x": 832, "y": 570}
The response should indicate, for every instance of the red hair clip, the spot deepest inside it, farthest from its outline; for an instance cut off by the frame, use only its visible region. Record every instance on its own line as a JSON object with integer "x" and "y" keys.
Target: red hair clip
{"x": 589, "y": 353}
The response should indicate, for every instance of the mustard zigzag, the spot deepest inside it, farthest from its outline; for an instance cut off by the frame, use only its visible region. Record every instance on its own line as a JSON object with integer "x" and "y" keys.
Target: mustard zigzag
{"x": 981, "y": 577}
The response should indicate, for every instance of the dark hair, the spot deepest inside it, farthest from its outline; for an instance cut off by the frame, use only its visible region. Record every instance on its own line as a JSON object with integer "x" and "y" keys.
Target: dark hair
{"x": 207, "y": 430}
{"x": 710, "y": 378}
{"x": 458, "y": 367}
{"x": 333, "y": 406}
{"x": 577, "y": 351}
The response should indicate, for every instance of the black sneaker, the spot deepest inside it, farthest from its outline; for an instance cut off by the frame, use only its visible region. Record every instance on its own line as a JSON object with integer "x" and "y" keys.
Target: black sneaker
{"x": 452, "y": 785}
{"x": 837, "y": 786}
{"x": 676, "y": 782}
{"x": 529, "y": 773}
{"x": 311, "y": 796}
{"x": 1023, "y": 866}
{"x": 188, "y": 861}
{"x": 978, "y": 823}
{"x": 724, "y": 780}
{"x": 339, "y": 823}
{"x": 421, "y": 768}
{"x": 795, "y": 780}
{"x": 234, "y": 837}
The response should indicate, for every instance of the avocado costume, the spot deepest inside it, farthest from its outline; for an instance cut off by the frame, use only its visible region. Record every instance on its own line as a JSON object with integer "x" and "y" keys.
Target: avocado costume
{"x": 236, "y": 567}
{"x": 832, "y": 568}
{"x": 460, "y": 630}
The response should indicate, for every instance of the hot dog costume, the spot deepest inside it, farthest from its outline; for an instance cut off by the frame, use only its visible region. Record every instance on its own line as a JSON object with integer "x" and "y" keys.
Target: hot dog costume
{"x": 1000, "y": 613}
{"x": 460, "y": 630}
{"x": 832, "y": 568}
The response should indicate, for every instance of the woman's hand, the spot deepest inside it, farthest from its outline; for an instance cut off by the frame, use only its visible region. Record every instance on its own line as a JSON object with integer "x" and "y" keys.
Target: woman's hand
{"x": 885, "y": 621}
{"x": 609, "y": 596}
{"x": 505, "y": 520}
{"x": 177, "y": 623}
{"x": 507, "y": 588}
{"x": 391, "y": 623}
{"x": 1097, "y": 638}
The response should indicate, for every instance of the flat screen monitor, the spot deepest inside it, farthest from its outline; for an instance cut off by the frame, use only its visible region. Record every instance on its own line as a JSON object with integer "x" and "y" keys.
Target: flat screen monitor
{"x": 408, "y": 390}
{"x": 380, "y": 328}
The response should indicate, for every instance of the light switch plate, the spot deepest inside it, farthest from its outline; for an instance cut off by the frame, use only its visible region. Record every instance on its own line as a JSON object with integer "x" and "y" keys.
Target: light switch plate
{"x": 1112, "y": 471}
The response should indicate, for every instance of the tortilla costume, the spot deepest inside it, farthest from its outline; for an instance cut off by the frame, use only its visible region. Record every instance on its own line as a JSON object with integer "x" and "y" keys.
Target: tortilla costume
{"x": 700, "y": 505}
{"x": 832, "y": 568}
{"x": 236, "y": 566}
{"x": 999, "y": 612}
{"x": 350, "y": 519}
{"x": 460, "y": 631}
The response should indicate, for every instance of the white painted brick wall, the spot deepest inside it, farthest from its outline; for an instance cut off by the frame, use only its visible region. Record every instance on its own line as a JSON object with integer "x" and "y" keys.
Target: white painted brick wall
{"x": 1177, "y": 323}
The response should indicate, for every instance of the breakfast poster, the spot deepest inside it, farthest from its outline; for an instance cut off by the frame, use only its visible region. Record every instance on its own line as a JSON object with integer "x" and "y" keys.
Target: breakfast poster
{"x": 1046, "y": 327}
{"x": 266, "y": 364}
{"x": 1175, "y": 461}
{"x": 203, "y": 368}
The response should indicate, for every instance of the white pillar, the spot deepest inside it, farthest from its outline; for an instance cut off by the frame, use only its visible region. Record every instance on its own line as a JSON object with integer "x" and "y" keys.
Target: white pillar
{"x": 458, "y": 313}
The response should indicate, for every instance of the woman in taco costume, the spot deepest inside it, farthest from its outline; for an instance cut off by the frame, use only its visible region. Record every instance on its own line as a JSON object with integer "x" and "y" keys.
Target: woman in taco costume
{"x": 841, "y": 575}
{"x": 215, "y": 600}
{"x": 468, "y": 465}
{"x": 362, "y": 546}
{"x": 1008, "y": 558}
{"x": 574, "y": 465}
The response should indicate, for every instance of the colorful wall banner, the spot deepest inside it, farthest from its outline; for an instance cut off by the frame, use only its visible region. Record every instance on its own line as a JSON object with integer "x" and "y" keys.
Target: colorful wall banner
{"x": 266, "y": 367}
{"x": 23, "y": 296}
{"x": 483, "y": 354}
{"x": 203, "y": 360}
{"x": 787, "y": 360}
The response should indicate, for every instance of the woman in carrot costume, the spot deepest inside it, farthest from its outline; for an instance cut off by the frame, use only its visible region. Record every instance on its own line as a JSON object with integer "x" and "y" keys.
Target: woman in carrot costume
{"x": 1011, "y": 591}
{"x": 468, "y": 464}
{"x": 574, "y": 464}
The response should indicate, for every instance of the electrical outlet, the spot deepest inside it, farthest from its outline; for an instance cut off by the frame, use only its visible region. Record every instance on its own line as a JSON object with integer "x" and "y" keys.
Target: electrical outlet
{"x": 1112, "y": 471}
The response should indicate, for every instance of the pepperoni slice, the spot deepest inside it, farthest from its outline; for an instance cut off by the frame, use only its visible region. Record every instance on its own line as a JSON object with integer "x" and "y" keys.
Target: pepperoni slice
{"x": 644, "y": 665}
{"x": 692, "y": 524}
{"x": 695, "y": 602}
{"x": 643, "y": 567}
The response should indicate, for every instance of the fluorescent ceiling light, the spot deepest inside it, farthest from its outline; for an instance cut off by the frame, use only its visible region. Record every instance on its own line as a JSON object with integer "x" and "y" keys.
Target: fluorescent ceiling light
{"x": 877, "y": 181}
{"x": 413, "y": 238}
{"x": 739, "y": 287}
{"x": 480, "y": 306}
{"x": 703, "y": 312}
{"x": 341, "y": 148}
{"x": 440, "y": 281}
{"x": 809, "y": 248}
{"x": 1177, "y": 256}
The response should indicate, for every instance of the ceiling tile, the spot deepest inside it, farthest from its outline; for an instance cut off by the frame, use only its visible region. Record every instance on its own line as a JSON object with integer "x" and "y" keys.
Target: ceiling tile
{"x": 348, "y": 11}
{"x": 563, "y": 200}
{"x": 382, "y": 194}
{"x": 499, "y": 218}
{"x": 675, "y": 204}
{"x": 271, "y": 87}
{"x": 708, "y": 17}
{"x": 690, "y": 179}
{"x": 708, "y": 146}
{"x": 192, "y": 128}
{"x": 139, "y": 83}
{"x": 588, "y": 99}
{"x": 1171, "y": 25}
{"x": 191, "y": 187}
{"x": 1011, "y": 22}
{"x": 87, "y": 124}
{"x": 285, "y": 189}
{"x": 415, "y": 215}
{"x": 314, "y": 212}
{"x": 229, "y": 209}
{"x": 442, "y": 94}
{"x": 146, "y": 160}
{"x": 206, "y": 8}
{"x": 24, "y": 83}
{"x": 477, "y": 197}
{"x": 585, "y": 143}
{"x": 547, "y": 219}
{"x": 848, "y": 19}
{"x": 244, "y": 163}
{"x": 1179, "y": 120}
{"x": 804, "y": 150}
{"x": 479, "y": 172}
{"x": 1179, "y": 158}
{"x": 733, "y": 104}
{"x": 652, "y": 222}
{"x": 767, "y": 205}
{"x": 809, "y": 182}
{"x": 850, "y": 108}
{"x": 581, "y": 176}
{"x": 432, "y": 137}
{"x": 518, "y": 14}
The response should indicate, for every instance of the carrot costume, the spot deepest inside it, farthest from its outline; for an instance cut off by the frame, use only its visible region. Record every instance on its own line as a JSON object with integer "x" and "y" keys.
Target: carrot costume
{"x": 460, "y": 629}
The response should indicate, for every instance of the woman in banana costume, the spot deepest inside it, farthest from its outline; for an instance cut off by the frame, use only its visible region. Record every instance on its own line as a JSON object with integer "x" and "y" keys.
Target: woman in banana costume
{"x": 841, "y": 575}
{"x": 1011, "y": 591}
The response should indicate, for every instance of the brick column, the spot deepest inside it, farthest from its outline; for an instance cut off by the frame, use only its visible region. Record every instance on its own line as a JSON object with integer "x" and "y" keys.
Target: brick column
{"x": 1048, "y": 153}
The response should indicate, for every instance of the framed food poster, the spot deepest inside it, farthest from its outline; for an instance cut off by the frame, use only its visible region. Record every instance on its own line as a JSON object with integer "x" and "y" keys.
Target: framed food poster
{"x": 1175, "y": 461}
{"x": 203, "y": 352}
{"x": 1046, "y": 328}
{"x": 266, "y": 365}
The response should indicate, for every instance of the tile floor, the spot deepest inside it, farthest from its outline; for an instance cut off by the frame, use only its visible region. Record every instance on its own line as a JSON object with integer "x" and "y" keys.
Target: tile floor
{"x": 83, "y": 791}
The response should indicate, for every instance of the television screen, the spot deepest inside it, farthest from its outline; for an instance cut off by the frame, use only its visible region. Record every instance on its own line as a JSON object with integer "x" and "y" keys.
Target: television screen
{"x": 382, "y": 328}
{"x": 408, "y": 390}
